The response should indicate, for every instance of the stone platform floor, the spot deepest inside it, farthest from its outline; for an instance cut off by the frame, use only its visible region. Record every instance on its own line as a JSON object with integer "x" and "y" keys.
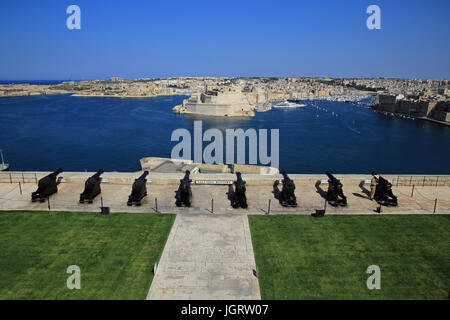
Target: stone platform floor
{"x": 309, "y": 199}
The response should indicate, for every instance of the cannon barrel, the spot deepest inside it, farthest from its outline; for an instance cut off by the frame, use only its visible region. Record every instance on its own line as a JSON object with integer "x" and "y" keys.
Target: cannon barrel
{"x": 186, "y": 175}
{"x": 286, "y": 178}
{"x": 143, "y": 176}
{"x": 382, "y": 180}
{"x": 238, "y": 175}
{"x": 331, "y": 177}
{"x": 55, "y": 173}
{"x": 50, "y": 177}
{"x": 98, "y": 173}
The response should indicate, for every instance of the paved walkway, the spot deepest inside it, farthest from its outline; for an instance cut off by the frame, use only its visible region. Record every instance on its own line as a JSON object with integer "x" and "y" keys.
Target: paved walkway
{"x": 207, "y": 257}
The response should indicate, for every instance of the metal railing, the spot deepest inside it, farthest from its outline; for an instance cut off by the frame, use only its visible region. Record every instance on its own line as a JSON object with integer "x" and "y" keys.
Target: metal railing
{"x": 422, "y": 181}
{"x": 17, "y": 176}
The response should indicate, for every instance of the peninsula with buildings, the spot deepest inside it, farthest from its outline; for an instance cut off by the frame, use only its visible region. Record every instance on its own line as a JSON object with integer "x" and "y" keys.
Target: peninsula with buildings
{"x": 220, "y": 96}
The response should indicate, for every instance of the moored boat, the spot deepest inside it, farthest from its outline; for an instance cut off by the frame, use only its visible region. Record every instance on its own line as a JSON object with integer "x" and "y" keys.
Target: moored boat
{"x": 288, "y": 104}
{"x": 3, "y": 166}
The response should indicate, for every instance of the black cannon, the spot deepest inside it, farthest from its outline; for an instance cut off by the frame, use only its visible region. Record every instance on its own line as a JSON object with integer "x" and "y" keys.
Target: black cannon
{"x": 139, "y": 190}
{"x": 335, "y": 194}
{"x": 383, "y": 193}
{"x": 239, "y": 198}
{"x": 184, "y": 193}
{"x": 287, "y": 196}
{"x": 47, "y": 186}
{"x": 91, "y": 188}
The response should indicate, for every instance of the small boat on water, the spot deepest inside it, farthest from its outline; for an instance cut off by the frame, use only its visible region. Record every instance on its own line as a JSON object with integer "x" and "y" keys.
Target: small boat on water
{"x": 289, "y": 104}
{"x": 3, "y": 166}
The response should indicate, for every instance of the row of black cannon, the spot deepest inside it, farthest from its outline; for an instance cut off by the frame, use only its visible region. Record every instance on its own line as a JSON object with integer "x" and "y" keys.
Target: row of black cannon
{"x": 48, "y": 185}
{"x": 335, "y": 193}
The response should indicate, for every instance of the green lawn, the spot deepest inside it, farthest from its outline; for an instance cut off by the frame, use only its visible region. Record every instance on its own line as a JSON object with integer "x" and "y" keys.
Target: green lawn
{"x": 301, "y": 257}
{"x": 115, "y": 253}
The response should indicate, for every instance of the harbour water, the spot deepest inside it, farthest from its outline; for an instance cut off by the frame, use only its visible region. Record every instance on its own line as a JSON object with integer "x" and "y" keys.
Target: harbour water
{"x": 77, "y": 134}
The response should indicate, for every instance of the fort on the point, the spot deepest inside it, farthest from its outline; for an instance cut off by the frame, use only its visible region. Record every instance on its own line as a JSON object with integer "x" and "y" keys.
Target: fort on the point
{"x": 214, "y": 103}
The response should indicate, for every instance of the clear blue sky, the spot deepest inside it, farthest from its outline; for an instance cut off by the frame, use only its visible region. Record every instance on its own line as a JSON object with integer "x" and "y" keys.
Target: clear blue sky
{"x": 135, "y": 39}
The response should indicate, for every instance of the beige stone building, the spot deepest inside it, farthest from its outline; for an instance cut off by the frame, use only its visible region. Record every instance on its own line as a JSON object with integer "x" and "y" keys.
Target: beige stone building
{"x": 214, "y": 103}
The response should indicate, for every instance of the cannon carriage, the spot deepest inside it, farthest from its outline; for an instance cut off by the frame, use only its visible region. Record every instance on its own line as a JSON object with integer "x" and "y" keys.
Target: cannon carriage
{"x": 383, "y": 193}
{"x": 47, "y": 186}
{"x": 287, "y": 196}
{"x": 239, "y": 198}
{"x": 91, "y": 188}
{"x": 184, "y": 192}
{"x": 138, "y": 190}
{"x": 335, "y": 194}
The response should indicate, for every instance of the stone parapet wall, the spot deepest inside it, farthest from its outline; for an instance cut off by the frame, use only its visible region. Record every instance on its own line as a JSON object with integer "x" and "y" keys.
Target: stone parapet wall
{"x": 309, "y": 180}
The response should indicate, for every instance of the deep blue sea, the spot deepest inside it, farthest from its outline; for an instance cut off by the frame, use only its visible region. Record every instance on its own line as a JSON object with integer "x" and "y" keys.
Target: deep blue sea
{"x": 78, "y": 133}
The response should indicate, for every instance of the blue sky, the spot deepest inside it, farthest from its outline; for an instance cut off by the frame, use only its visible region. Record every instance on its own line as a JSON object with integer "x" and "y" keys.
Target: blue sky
{"x": 134, "y": 39}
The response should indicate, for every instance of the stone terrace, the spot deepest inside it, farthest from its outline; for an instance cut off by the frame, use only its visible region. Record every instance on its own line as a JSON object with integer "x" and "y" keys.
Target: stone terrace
{"x": 260, "y": 189}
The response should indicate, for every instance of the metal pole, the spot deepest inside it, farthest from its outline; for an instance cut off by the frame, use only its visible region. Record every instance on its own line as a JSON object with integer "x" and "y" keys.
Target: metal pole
{"x": 212, "y": 205}
{"x": 435, "y": 202}
{"x": 20, "y": 188}
{"x": 268, "y": 209}
{"x": 325, "y": 206}
{"x": 101, "y": 200}
{"x": 156, "y": 204}
{"x": 412, "y": 191}
{"x": 423, "y": 185}
{"x": 48, "y": 202}
{"x": 10, "y": 179}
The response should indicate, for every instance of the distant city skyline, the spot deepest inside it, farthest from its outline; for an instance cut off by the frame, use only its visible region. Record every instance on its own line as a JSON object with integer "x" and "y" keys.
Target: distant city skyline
{"x": 159, "y": 39}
